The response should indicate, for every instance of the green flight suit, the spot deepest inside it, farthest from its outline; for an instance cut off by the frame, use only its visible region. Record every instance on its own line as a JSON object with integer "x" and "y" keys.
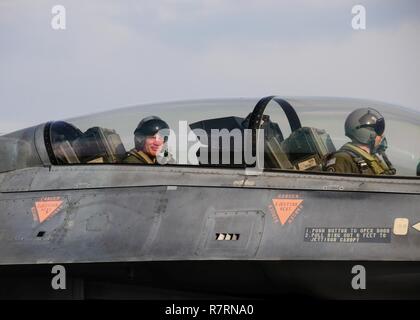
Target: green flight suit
{"x": 352, "y": 159}
{"x": 139, "y": 157}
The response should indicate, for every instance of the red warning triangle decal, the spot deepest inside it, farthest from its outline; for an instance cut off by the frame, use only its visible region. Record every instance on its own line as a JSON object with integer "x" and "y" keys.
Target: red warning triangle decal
{"x": 46, "y": 208}
{"x": 285, "y": 208}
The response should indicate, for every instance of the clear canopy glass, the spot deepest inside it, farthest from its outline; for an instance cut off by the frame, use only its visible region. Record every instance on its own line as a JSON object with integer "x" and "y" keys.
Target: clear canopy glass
{"x": 117, "y": 127}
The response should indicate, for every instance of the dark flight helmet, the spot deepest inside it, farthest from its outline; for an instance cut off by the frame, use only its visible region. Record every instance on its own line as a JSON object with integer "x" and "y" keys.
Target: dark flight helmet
{"x": 147, "y": 127}
{"x": 364, "y": 125}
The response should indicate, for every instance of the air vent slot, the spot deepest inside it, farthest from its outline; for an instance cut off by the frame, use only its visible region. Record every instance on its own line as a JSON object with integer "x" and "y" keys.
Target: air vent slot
{"x": 40, "y": 234}
{"x": 231, "y": 234}
{"x": 227, "y": 236}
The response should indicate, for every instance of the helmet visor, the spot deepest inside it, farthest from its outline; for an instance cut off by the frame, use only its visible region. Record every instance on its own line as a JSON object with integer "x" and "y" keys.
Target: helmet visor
{"x": 377, "y": 124}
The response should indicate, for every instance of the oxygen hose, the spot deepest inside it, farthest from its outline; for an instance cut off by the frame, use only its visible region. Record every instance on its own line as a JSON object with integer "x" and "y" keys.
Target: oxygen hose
{"x": 392, "y": 170}
{"x": 381, "y": 150}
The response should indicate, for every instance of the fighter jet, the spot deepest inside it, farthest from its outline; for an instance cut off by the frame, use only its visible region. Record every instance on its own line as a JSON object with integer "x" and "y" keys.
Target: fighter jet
{"x": 219, "y": 221}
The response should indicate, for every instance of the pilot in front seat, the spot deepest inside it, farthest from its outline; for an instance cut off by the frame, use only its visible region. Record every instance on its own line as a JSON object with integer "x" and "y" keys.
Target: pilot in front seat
{"x": 365, "y": 127}
{"x": 148, "y": 142}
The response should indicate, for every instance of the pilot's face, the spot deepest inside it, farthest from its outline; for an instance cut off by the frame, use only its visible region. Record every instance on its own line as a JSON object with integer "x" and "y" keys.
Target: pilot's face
{"x": 153, "y": 145}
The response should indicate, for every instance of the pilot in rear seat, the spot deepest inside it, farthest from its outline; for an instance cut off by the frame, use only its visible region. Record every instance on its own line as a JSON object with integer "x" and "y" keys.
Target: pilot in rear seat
{"x": 365, "y": 127}
{"x": 149, "y": 142}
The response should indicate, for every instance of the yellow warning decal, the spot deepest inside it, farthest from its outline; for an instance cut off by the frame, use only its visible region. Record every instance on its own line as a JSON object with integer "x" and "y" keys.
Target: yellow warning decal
{"x": 287, "y": 207}
{"x": 45, "y": 208}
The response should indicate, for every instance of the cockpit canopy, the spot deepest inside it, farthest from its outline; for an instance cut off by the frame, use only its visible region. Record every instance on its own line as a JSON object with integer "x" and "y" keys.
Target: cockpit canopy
{"x": 298, "y": 133}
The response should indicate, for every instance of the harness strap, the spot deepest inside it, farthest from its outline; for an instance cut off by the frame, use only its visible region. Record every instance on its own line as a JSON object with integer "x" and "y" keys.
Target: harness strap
{"x": 364, "y": 160}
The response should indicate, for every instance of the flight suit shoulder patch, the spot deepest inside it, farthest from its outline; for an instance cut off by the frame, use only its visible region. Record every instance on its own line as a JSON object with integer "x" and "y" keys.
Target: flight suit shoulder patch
{"x": 341, "y": 162}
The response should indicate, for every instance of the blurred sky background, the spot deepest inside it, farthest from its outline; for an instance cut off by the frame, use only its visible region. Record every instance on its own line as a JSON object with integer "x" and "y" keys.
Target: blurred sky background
{"x": 119, "y": 53}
